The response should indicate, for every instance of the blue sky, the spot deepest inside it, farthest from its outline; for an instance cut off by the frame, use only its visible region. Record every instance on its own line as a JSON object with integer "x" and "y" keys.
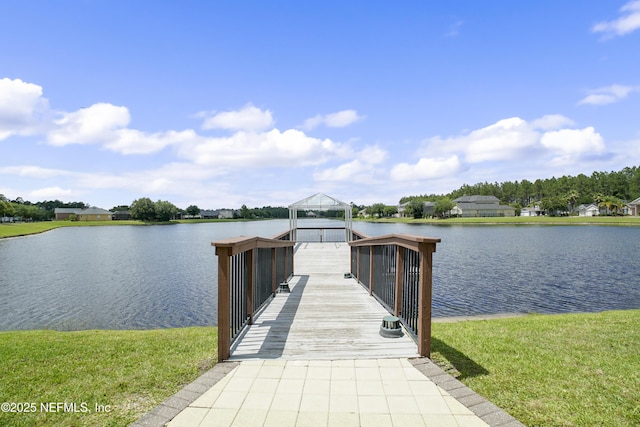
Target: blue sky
{"x": 224, "y": 103}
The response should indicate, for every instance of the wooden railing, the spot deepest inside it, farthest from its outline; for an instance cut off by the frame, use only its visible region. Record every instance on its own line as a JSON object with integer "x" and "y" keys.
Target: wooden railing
{"x": 250, "y": 270}
{"x": 322, "y": 234}
{"x": 397, "y": 270}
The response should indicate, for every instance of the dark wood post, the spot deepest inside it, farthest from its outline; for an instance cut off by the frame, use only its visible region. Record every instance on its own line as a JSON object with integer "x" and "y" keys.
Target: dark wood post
{"x": 274, "y": 285}
{"x": 371, "y": 251}
{"x": 424, "y": 298}
{"x": 399, "y": 279}
{"x": 285, "y": 249}
{"x": 293, "y": 257}
{"x": 224, "y": 302}
{"x": 250, "y": 278}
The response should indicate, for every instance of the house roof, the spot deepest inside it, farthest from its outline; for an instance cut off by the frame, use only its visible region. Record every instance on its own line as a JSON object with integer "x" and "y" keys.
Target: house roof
{"x": 635, "y": 202}
{"x": 320, "y": 201}
{"x": 477, "y": 199}
{"x": 586, "y": 207}
{"x": 95, "y": 211}
{"x": 482, "y": 206}
{"x": 80, "y": 211}
{"x": 67, "y": 210}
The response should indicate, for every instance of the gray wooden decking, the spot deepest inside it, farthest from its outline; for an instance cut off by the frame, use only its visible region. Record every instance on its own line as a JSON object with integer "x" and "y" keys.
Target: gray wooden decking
{"x": 324, "y": 317}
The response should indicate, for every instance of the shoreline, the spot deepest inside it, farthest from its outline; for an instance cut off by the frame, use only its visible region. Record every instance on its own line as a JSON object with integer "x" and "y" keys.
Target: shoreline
{"x": 30, "y": 228}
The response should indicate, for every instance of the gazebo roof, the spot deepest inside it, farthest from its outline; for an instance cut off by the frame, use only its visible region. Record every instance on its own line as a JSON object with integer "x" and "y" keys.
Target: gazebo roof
{"x": 320, "y": 201}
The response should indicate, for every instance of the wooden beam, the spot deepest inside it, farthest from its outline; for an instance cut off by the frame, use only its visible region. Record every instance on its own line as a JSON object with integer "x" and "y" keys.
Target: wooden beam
{"x": 250, "y": 284}
{"x": 274, "y": 285}
{"x": 425, "y": 298}
{"x": 371, "y": 270}
{"x": 399, "y": 280}
{"x": 405, "y": 240}
{"x": 224, "y": 303}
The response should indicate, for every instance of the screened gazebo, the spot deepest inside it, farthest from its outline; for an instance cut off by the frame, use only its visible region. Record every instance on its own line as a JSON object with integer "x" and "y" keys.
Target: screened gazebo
{"x": 321, "y": 202}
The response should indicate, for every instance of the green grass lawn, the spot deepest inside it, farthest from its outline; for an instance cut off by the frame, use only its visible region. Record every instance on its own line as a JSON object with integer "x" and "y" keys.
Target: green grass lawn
{"x": 127, "y": 372}
{"x": 26, "y": 228}
{"x": 546, "y": 370}
{"x": 550, "y": 370}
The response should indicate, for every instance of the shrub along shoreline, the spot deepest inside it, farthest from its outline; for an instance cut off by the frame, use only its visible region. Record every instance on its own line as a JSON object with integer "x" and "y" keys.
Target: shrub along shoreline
{"x": 567, "y": 369}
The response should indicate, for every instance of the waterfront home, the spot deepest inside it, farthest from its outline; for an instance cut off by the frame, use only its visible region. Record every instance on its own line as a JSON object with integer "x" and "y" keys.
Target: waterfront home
{"x": 481, "y": 206}
{"x": 89, "y": 214}
{"x": 428, "y": 209}
{"x": 531, "y": 211}
{"x": 633, "y": 208}
{"x": 121, "y": 215}
{"x": 588, "y": 210}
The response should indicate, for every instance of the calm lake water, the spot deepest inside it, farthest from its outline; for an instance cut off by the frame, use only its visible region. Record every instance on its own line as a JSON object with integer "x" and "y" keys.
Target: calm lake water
{"x": 132, "y": 277}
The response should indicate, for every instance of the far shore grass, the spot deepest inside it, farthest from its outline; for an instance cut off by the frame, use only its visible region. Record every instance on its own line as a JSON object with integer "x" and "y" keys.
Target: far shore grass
{"x": 546, "y": 370}
{"x": 27, "y": 228}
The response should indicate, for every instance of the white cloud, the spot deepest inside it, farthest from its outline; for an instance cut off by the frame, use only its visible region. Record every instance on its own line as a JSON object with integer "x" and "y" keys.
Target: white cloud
{"x": 506, "y": 139}
{"x": 350, "y": 171}
{"x": 426, "y": 168}
{"x": 334, "y": 120}
{"x": 291, "y": 148}
{"x": 131, "y": 141}
{"x": 625, "y": 24}
{"x": 32, "y": 171}
{"x": 20, "y": 105}
{"x": 50, "y": 193}
{"x": 574, "y": 141}
{"x": 95, "y": 124}
{"x": 363, "y": 169}
{"x": 607, "y": 95}
{"x": 551, "y": 122}
{"x": 249, "y": 118}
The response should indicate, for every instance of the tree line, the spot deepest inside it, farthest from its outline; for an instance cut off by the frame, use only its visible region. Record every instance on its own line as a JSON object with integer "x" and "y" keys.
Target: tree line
{"x": 609, "y": 189}
{"x": 39, "y": 211}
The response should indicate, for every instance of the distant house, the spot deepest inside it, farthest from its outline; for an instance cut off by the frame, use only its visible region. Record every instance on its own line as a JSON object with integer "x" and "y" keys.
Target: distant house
{"x": 428, "y": 209}
{"x": 89, "y": 214}
{"x": 481, "y": 206}
{"x": 226, "y": 213}
{"x": 633, "y": 208}
{"x": 121, "y": 215}
{"x": 402, "y": 207}
{"x": 531, "y": 211}
{"x": 64, "y": 213}
{"x": 588, "y": 210}
{"x": 209, "y": 214}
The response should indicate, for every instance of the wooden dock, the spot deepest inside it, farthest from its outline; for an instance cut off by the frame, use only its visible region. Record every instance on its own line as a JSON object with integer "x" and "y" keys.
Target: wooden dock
{"x": 326, "y": 316}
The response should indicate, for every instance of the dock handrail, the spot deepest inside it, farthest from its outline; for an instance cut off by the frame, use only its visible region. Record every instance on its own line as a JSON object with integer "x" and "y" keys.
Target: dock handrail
{"x": 397, "y": 270}
{"x": 249, "y": 271}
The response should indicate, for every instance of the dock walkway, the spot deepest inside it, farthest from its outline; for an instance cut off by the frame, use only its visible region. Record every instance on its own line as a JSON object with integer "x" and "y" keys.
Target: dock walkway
{"x": 324, "y": 317}
{"x": 314, "y": 357}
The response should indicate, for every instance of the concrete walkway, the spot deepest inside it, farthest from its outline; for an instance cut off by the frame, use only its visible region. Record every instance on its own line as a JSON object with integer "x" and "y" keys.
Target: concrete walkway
{"x": 341, "y": 393}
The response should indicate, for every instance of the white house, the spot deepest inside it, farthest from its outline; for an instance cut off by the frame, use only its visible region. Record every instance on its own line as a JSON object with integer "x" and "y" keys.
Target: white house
{"x": 588, "y": 210}
{"x": 633, "y": 208}
{"x": 531, "y": 211}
